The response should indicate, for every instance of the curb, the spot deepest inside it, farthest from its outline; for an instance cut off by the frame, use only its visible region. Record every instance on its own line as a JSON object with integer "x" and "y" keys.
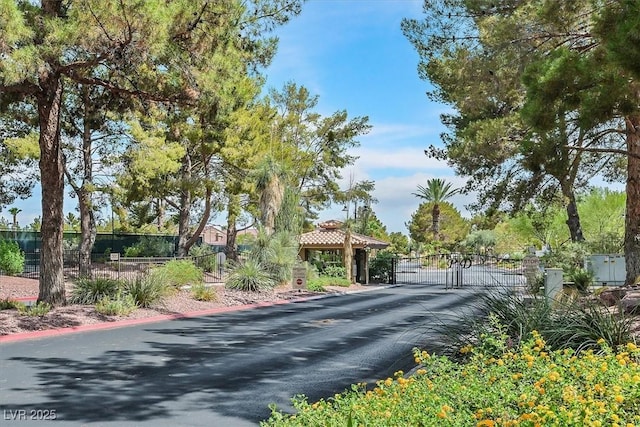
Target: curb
{"x": 23, "y": 336}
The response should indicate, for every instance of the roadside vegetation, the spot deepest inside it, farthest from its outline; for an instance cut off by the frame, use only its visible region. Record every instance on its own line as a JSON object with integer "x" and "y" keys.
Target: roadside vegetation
{"x": 523, "y": 363}
{"x": 497, "y": 385}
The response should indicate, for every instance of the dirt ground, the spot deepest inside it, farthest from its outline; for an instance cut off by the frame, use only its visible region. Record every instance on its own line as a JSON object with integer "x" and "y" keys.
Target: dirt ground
{"x": 12, "y": 322}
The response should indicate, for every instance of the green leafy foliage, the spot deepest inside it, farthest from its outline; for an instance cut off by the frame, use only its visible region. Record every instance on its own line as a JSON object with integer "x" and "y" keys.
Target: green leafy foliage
{"x": 90, "y": 291}
{"x": 569, "y": 258}
{"x": 150, "y": 289}
{"x": 568, "y": 324}
{"x": 399, "y": 243}
{"x": 9, "y": 304}
{"x": 452, "y": 226}
{"x": 581, "y": 278}
{"x": 120, "y": 305}
{"x": 334, "y": 271}
{"x": 204, "y": 258}
{"x": 380, "y": 267}
{"x": 249, "y": 275}
{"x": 313, "y": 149}
{"x": 180, "y": 273}
{"x": 528, "y": 385}
{"x": 276, "y": 253}
{"x": 150, "y": 246}
{"x": 11, "y": 258}
{"x": 165, "y": 60}
{"x": 323, "y": 281}
{"x": 315, "y": 286}
{"x": 200, "y": 292}
{"x": 40, "y": 309}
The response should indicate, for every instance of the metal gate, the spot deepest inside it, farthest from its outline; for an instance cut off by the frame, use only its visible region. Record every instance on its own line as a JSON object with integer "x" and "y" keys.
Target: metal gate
{"x": 457, "y": 270}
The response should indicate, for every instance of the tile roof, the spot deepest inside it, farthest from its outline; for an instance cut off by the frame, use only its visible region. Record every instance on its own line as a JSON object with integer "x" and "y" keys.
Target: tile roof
{"x": 334, "y": 238}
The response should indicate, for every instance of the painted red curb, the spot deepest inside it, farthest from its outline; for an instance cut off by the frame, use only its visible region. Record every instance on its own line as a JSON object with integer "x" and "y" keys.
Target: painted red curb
{"x": 131, "y": 322}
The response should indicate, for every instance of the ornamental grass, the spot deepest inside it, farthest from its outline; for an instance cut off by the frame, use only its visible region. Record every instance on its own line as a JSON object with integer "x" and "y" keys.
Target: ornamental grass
{"x": 528, "y": 385}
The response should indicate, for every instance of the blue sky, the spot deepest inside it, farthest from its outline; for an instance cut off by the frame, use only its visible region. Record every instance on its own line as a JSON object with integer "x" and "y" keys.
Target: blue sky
{"x": 352, "y": 54}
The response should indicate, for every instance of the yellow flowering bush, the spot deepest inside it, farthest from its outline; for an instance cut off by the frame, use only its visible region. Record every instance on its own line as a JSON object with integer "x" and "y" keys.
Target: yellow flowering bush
{"x": 528, "y": 386}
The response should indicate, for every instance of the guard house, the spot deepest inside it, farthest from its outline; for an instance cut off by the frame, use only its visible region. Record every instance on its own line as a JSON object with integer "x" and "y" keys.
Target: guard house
{"x": 327, "y": 242}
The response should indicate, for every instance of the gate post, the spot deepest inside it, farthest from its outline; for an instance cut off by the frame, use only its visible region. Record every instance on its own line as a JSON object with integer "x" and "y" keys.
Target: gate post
{"x": 458, "y": 274}
{"x": 392, "y": 276}
{"x": 552, "y": 283}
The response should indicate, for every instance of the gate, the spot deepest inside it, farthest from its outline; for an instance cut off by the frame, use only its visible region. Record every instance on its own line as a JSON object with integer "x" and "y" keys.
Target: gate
{"x": 457, "y": 270}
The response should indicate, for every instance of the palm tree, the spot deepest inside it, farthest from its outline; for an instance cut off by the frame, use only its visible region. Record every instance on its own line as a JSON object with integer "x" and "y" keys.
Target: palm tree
{"x": 15, "y": 212}
{"x": 271, "y": 190}
{"x": 72, "y": 221}
{"x": 436, "y": 191}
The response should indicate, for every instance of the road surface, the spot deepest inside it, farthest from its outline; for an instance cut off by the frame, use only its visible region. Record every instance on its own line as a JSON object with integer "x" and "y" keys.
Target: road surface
{"x": 221, "y": 370}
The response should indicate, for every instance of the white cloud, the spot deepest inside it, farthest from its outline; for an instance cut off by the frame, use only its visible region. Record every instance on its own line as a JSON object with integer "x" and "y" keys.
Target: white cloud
{"x": 396, "y": 203}
{"x": 386, "y": 133}
{"x": 408, "y": 158}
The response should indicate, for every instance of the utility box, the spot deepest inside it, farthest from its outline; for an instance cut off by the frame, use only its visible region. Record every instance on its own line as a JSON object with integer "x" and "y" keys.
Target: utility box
{"x": 608, "y": 269}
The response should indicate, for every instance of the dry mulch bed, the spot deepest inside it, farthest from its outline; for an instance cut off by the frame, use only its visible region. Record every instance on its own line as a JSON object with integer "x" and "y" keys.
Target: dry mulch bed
{"x": 12, "y": 322}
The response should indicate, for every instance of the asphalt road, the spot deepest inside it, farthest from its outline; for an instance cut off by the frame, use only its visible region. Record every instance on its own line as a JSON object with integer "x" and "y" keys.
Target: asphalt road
{"x": 221, "y": 370}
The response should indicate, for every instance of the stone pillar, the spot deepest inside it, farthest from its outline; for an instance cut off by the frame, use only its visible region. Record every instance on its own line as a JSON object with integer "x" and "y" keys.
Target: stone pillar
{"x": 552, "y": 283}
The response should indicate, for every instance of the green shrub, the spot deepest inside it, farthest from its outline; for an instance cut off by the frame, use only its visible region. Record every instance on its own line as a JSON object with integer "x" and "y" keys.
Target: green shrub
{"x": 120, "y": 305}
{"x": 204, "y": 258}
{"x": 201, "y": 292}
{"x": 576, "y": 325}
{"x": 182, "y": 272}
{"x": 536, "y": 284}
{"x": 150, "y": 246}
{"x": 276, "y": 253}
{"x": 581, "y": 279}
{"x": 568, "y": 257}
{"x": 315, "y": 286}
{"x": 9, "y": 304}
{"x": 380, "y": 267}
{"x": 282, "y": 256}
{"x": 150, "y": 289}
{"x": 330, "y": 281}
{"x": 249, "y": 275}
{"x": 532, "y": 385}
{"x": 312, "y": 270}
{"x": 40, "y": 309}
{"x": 334, "y": 271}
{"x": 11, "y": 258}
{"x": 132, "y": 251}
{"x": 90, "y": 291}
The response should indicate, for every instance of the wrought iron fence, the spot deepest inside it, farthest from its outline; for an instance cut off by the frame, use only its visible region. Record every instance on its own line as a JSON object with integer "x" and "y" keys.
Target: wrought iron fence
{"x": 458, "y": 270}
{"x": 123, "y": 268}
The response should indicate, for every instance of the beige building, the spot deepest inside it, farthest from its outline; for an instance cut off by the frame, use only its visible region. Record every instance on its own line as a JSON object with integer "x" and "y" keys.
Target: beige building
{"x": 329, "y": 240}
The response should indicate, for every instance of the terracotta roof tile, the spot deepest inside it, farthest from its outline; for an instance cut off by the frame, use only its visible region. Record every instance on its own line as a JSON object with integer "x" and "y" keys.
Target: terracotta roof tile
{"x": 332, "y": 237}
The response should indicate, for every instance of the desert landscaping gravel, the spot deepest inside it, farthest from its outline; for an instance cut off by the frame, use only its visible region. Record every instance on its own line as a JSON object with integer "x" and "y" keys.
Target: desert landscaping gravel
{"x": 12, "y": 322}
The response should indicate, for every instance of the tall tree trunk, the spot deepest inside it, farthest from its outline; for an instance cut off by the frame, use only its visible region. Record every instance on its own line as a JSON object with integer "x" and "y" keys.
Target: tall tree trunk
{"x": 233, "y": 211}
{"x": 203, "y": 220}
{"x": 183, "y": 223}
{"x": 184, "y": 208}
{"x": 160, "y": 214}
{"x": 348, "y": 254}
{"x": 88, "y": 229}
{"x": 270, "y": 201}
{"x": 632, "y": 218}
{"x": 573, "y": 218}
{"x": 435, "y": 221}
{"x": 52, "y": 182}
